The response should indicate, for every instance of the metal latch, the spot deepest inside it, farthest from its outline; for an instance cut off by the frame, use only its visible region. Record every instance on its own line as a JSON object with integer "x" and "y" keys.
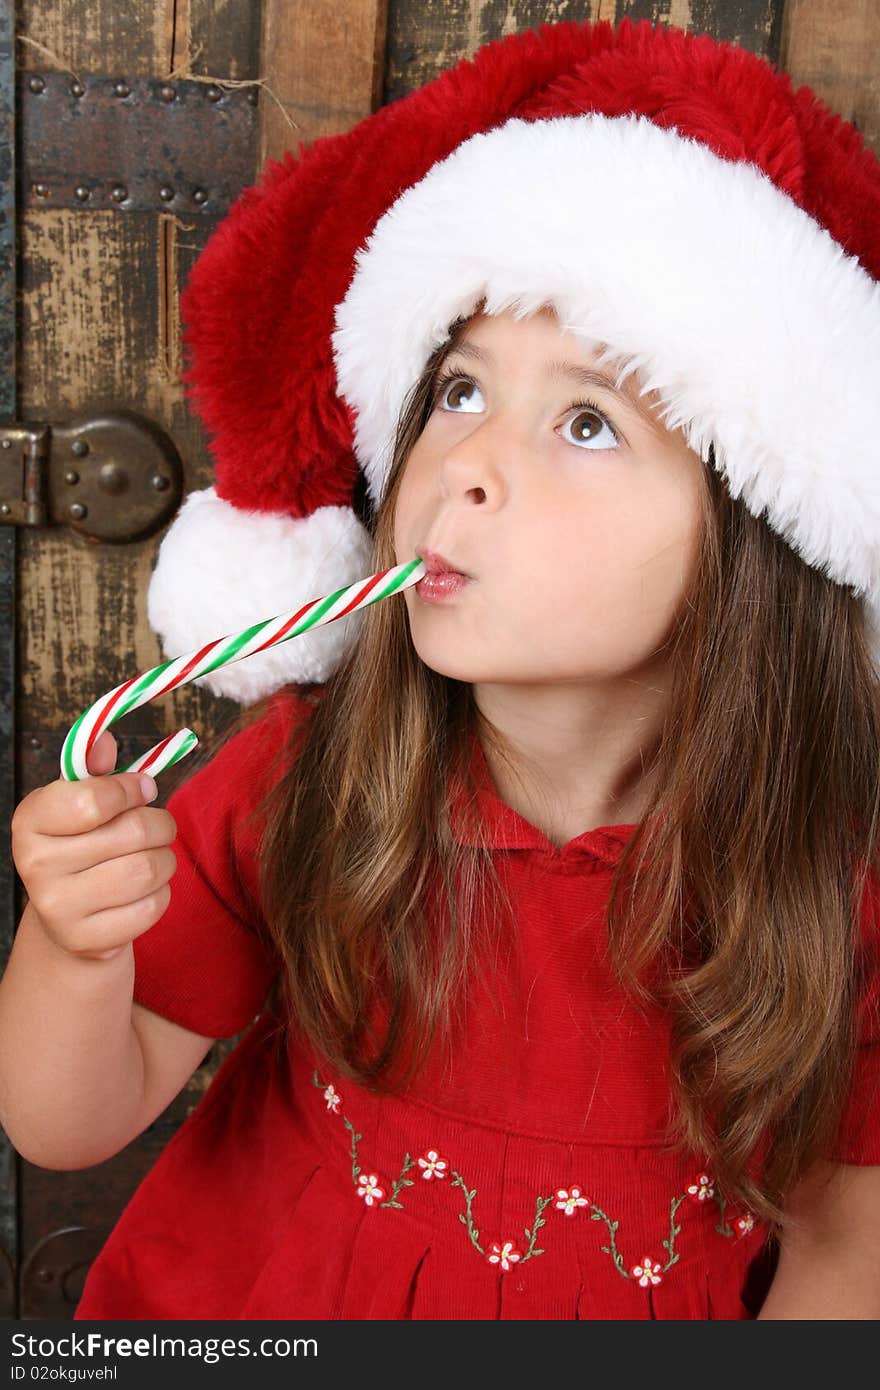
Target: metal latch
{"x": 114, "y": 477}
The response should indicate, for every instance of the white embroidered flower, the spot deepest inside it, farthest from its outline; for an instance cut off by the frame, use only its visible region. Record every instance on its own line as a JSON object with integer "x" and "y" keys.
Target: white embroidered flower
{"x": 745, "y": 1223}
{"x": 369, "y": 1189}
{"x": 702, "y": 1189}
{"x": 568, "y": 1199}
{"x": 648, "y": 1272}
{"x": 504, "y": 1255}
{"x": 333, "y": 1099}
{"x": 432, "y": 1165}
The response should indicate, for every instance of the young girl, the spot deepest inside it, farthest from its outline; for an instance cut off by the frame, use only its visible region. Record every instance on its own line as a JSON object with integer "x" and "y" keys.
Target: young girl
{"x": 547, "y": 894}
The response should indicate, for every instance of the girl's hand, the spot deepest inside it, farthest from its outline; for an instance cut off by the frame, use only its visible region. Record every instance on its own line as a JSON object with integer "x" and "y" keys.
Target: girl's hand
{"x": 94, "y": 858}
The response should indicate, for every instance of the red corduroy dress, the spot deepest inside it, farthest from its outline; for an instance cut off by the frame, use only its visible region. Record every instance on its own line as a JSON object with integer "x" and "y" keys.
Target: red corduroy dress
{"x": 523, "y": 1174}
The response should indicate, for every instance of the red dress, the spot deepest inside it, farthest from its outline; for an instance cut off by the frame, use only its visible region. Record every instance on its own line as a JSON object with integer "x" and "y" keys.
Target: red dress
{"x": 524, "y": 1176}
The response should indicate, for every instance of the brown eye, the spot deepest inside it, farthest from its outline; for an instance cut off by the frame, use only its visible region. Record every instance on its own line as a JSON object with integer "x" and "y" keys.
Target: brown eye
{"x": 587, "y": 425}
{"x": 456, "y": 393}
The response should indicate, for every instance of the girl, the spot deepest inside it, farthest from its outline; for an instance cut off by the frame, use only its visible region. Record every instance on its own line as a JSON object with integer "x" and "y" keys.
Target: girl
{"x": 552, "y": 885}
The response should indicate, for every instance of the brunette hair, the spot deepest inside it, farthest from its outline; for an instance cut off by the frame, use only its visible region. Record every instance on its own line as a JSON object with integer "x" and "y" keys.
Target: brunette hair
{"x": 735, "y": 906}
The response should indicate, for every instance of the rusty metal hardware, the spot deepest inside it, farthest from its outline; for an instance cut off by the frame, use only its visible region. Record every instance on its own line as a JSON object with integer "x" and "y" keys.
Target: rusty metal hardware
{"x": 114, "y": 477}
{"x": 52, "y": 1276}
{"x": 135, "y": 144}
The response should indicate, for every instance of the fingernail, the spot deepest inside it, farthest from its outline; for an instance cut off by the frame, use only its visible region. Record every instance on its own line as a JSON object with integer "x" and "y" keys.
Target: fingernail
{"x": 148, "y": 787}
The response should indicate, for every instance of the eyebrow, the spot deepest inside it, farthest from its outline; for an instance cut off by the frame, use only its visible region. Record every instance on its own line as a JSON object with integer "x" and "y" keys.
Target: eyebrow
{"x": 584, "y": 376}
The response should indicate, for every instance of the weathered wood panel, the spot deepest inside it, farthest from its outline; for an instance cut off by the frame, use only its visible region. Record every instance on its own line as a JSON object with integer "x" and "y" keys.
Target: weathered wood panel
{"x": 835, "y": 49}
{"x": 427, "y": 36}
{"x": 323, "y": 66}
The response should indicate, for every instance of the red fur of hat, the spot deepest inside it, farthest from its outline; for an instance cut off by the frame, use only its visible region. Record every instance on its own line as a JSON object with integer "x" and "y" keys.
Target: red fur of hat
{"x": 260, "y": 301}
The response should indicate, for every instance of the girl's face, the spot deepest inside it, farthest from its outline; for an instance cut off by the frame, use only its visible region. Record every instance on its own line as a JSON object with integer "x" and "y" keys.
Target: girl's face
{"x": 575, "y": 512}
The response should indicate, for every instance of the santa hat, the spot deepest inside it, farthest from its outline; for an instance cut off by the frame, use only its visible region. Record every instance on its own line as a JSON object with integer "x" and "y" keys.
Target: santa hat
{"x": 689, "y": 215}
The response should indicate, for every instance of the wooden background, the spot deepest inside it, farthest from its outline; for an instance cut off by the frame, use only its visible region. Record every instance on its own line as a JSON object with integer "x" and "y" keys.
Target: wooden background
{"x": 98, "y": 326}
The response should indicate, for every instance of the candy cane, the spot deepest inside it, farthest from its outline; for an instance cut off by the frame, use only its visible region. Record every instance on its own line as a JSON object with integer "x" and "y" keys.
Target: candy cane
{"x": 222, "y": 652}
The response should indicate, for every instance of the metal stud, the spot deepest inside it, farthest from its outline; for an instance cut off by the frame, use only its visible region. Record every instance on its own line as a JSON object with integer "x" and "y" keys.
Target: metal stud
{"x": 119, "y": 193}
{"x": 78, "y": 511}
{"x": 213, "y": 93}
{"x": 253, "y": 96}
{"x": 160, "y": 482}
{"x": 81, "y": 193}
{"x": 71, "y": 476}
{"x": 77, "y": 89}
{"x": 200, "y": 196}
{"x": 79, "y": 447}
{"x": 7, "y": 444}
{"x": 37, "y": 84}
{"x": 166, "y": 92}
{"x": 121, "y": 89}
{"x": 41, "y": 190}
{"x": 5, "y": 509}
{"x": 166, "y": 193}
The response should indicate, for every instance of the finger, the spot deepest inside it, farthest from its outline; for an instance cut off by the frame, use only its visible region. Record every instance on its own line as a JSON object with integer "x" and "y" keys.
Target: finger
{"x": 140, "y": 828}
{"x": 75, "y": 808}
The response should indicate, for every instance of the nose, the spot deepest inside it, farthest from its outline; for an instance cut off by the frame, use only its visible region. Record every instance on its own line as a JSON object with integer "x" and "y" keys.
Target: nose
{"x": 471, "y": 469}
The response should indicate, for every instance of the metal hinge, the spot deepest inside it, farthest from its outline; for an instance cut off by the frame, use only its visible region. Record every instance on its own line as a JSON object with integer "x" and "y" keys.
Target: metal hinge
{"x": 114, "y": 477}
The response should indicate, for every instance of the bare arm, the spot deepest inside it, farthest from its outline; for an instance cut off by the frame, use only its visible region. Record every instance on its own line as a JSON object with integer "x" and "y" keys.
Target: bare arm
{"x": 78, "y": 1079}
{"x": 828, "y": 1265}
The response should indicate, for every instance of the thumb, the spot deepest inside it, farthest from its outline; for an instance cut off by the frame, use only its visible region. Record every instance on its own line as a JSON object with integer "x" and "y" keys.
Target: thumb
{"x": 102, "y": 758}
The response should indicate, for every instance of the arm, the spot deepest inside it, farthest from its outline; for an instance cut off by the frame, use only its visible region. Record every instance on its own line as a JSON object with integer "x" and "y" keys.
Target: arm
{"x": 82, "y": 1069}
{"x": 828, "y": 1267}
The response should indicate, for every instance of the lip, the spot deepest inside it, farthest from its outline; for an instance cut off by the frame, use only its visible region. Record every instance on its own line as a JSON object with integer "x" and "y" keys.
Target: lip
{"x": 442, "y": 581}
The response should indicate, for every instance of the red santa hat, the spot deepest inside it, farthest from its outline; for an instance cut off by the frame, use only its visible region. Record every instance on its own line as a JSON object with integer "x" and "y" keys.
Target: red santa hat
{"x": 689, "y": 215}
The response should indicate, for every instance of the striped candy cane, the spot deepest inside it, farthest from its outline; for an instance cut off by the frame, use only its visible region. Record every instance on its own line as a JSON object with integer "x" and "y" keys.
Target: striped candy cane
{"x": 222, "y": 652}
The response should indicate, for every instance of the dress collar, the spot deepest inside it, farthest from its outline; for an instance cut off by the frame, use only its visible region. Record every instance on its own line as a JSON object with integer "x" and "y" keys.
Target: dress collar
{"x": 505, "y": 828}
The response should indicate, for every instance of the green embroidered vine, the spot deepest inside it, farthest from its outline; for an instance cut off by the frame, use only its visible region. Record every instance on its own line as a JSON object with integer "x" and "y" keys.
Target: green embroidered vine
{"x": 399, "y": 1182}
{"x": 597, "y": 1214}
{"x": 539, "y": 1221}
{"x": 669, "y": 1245}
{"x": 458, "y": 1181}
{"x": 723, "y": 1228}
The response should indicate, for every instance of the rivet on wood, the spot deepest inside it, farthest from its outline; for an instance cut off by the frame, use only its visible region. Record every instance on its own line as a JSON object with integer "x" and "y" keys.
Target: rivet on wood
{"x": 166, "y": 193}
{"x": 5, "y": 509}
{"x": 71, "y": 476}
{"x": 34, "y": 741}
{"x": 118, "y": 193}
{"x": 7, "y": 444}
{"x": 41, "y": 190}
{"x": 77, "y": 89}
{"x": 167, "y": 93}
{"x": 160, "y": 482}
{"x": 213, "y": 93}
{"x": 37, "y": 84}
{"x": 79, "y": 447}
{"x": 77, "y": 510}
{"x": 200, "y": 196}
{"x": 81, "y": 192}
{"x": 253, "y": 96}
{"x": 121, "y": 89}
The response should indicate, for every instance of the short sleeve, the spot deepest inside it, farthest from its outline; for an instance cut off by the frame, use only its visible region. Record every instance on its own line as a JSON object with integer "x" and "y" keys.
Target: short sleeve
{"x": 208, "y": 963}
{"x": 858, "y": 1140}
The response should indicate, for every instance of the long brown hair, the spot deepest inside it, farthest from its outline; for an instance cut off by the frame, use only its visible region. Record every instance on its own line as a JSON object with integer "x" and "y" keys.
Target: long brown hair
{"x": 734, "y": 906}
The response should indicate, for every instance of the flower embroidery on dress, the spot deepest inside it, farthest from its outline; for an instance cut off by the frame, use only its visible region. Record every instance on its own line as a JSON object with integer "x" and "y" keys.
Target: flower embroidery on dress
{"x": 647, "y": 1273}
{"x": 369, "y": 1189}
{"x": 569, "y": 1199}
{"x": 702, "y": 1188}
{"x": 432, "y": 1165}
{"x": 505, "y": 1253}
